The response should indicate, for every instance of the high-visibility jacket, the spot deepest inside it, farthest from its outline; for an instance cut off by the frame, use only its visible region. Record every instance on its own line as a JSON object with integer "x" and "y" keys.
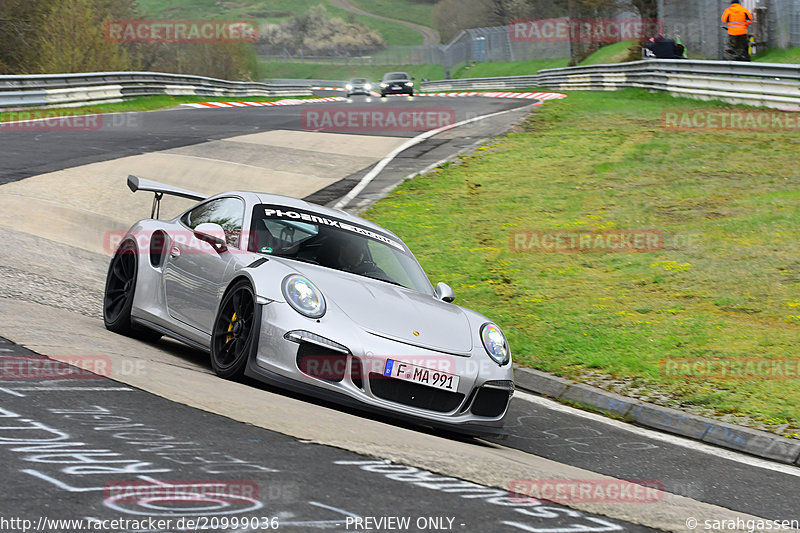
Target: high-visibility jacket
{"x": 738, "y": 19}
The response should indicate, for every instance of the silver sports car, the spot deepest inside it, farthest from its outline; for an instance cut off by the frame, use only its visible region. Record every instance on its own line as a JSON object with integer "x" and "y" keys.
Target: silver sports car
{"x": 311, "y": 299}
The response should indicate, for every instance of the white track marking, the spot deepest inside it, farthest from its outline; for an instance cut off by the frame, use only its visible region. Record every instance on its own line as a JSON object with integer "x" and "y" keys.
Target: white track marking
{"x": 367, "y": 179}
{"x": 663, "y": 437}
{"x": 212, "y": 159}
{"x": 73, "y": 389}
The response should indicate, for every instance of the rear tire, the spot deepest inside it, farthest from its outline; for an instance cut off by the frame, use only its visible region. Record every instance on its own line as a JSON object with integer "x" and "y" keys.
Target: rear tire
{"x": 234, "y": 332}
{"x": 119, "y": 293}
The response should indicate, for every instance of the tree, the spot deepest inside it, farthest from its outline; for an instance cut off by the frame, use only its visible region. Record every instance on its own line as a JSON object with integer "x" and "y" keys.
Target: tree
{"x": 647, "y": 9}
{"x": 581, "y": 46}
{"x": 452, "y": 16}
{"x": 19, "y": 23}
{"x": 72, "y": 40}
{"x": 316, "y": 30}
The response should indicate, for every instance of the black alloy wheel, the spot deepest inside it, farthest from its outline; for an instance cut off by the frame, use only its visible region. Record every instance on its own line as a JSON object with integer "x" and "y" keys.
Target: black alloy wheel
{"x": 234, "y": 331}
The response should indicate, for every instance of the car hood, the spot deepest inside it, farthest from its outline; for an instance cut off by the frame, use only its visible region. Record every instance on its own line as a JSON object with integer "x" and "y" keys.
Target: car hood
{"x": 394, "y": 312}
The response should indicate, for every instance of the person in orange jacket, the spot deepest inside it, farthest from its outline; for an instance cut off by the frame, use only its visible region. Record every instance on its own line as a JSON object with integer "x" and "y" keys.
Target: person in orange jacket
{"x": 738, "y": 18}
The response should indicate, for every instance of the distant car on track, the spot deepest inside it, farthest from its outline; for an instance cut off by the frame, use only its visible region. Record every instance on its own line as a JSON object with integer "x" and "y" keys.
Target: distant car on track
{"x": 310, "y": 299}
{"x": 397, "y": 83}
{"x": 358, "y": 86}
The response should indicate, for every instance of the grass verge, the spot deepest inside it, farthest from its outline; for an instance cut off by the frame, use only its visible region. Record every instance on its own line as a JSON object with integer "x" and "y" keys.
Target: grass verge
{"x": 417, "y": 12}
{"x": 511, "y": 68}
{"x": 612, "y": 53}
{"x": 778, "y": 55}
{"x": 725, "y": 286}
{"x": 345, "y": 72}
{"x": 607, "y": 54}
{"x": 144, "y": 103}
{"x": 273, "y": 11}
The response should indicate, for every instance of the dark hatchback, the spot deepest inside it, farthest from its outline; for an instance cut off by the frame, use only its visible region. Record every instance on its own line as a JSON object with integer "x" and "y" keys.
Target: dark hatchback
{"x": 397, "y": 83}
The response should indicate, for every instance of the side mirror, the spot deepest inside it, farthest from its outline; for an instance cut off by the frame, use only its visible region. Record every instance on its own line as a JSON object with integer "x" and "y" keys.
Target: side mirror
{"x": 412, "y": 79}
{"x": 213, "y": 234}
{"x": 444, "y": 292}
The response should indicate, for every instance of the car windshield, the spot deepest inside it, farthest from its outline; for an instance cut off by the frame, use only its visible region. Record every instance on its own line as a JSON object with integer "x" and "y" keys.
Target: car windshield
{"x": 396, "y": 76}
{"x": 358, "y": 80}
{"x": 333, "y": 243}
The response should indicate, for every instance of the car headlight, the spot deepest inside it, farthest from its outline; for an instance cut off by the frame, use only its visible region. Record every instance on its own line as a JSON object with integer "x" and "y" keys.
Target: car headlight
{"x": 495, "y": 343}
{"x": 409, "y": 84}
{"x": 368, "y": 86}
{"x": 384, "y": 84}
{"x": 348, "y": 87}
{"x": 303, "y": 296}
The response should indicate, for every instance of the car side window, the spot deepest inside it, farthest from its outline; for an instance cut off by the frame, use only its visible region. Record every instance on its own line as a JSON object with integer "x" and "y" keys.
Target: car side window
{"x": 227, "y": 212}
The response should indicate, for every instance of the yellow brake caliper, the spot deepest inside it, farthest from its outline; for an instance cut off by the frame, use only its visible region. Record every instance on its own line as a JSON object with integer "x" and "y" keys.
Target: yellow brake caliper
{"x": 230, "y": 327}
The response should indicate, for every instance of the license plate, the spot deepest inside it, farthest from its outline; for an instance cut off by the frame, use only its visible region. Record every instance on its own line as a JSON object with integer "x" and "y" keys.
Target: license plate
{"x": 420, "y": 374}
{"x": 396, "y": 88}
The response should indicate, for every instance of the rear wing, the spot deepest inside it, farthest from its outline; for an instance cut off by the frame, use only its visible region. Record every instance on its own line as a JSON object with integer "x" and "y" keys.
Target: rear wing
{"x": 159, "y": 189}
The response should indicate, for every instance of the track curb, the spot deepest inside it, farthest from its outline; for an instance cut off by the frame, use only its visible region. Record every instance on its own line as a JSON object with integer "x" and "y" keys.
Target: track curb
{"x": 707, "y": 430}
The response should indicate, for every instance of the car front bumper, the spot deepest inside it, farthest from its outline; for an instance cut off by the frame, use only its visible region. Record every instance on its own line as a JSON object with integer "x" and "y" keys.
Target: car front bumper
{"x": 353, "y": 372}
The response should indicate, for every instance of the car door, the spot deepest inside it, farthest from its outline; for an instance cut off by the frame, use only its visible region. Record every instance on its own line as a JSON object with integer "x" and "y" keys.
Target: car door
{"x": 194, "y": 270}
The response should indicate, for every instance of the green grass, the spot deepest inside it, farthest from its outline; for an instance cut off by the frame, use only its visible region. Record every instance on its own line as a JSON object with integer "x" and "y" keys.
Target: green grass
{"x": 778, "y": 55}
{"x": 143, "y": 103}
{"x": 345, "y": 72}
{"x": 612, "y": 53}
{"x": 272, "y": 11}
{"x": 259, "y": 9}
{"x": 392, "y": 32}
{"x": 728, "y": 286}
{"x": 408, "y": 10}
{"x": 511, "y": 68}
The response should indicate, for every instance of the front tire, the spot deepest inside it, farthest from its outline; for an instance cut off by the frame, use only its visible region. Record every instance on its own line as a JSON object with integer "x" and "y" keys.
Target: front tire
{"x": 234, "y": 332}
{"x": 119, "y": 293}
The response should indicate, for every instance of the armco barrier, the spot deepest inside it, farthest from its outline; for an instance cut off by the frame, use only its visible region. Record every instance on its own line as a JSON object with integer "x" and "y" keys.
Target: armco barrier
{"x": 67, "y": 90}
{"x": 773, "y": 85}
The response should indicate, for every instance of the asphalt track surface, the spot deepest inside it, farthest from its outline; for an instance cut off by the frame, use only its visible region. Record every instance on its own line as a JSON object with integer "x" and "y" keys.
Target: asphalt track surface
{"x": 30, "y": 153}
{"x": 301, "y": 483}
{"x": 80, "y": 448}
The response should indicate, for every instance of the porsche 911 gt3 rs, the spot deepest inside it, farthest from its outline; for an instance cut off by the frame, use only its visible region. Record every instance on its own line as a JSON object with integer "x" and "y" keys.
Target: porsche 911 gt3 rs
{"x": 311, "y": 299}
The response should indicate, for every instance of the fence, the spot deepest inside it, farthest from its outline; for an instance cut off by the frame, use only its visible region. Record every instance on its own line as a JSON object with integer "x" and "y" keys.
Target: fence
{"x": 476, "y": 44}
{"x": 784, "y": 22}
{"x": 66, "y": 90}
{"x": 696, "y": 22}
{"x": 773, "y": 85}
{"x": 699, "y": 25}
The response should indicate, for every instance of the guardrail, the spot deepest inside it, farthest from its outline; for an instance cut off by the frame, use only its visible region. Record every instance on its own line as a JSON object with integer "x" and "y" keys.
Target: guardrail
{"x": 773, "y": 85}
{"x": 69, "y": 90}
{"x": 306, "y": 83}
